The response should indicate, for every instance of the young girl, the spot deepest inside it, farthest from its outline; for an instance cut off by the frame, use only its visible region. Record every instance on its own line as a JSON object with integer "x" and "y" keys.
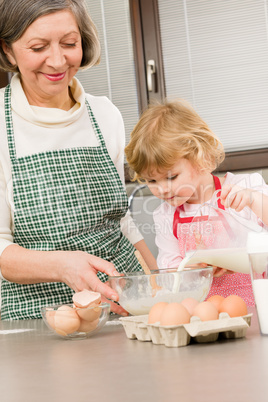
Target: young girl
{"x": 174, "y": 151}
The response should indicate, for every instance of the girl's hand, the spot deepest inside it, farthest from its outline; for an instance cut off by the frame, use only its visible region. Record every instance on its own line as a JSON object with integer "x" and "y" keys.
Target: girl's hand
{"x": 198, "y": 265}
{"x": 236, "y": 197}
{"x": 79, "y": 269}
{"x": 218, "y": 272}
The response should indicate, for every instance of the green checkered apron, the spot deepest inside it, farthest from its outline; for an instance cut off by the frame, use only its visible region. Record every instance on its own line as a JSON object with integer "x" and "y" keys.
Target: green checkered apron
{"x": 68, "y": 199}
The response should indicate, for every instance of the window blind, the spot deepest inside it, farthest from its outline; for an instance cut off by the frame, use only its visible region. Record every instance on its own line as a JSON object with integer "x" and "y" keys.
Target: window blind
{"x": 215, "y": 55}
{"x": 114, "y": 77}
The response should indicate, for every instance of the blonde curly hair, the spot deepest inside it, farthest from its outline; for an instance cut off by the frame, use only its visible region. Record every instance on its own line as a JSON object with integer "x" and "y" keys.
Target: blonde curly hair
{"x": 168, "y": 132}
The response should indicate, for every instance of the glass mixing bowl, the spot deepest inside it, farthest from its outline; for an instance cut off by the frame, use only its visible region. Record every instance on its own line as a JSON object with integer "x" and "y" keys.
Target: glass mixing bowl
{"x": 139, "y": 292}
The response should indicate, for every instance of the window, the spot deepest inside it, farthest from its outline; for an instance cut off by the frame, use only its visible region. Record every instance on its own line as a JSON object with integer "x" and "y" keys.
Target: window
{"x": 115, "y": 76}
{"x": 214, "y": 54}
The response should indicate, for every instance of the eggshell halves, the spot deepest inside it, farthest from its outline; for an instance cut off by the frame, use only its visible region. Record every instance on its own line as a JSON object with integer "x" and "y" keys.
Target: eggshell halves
{"x": 89, "y": 314}
{"x": 86, "y": 298}
{"x": 66, "y": 321}
{"x": 88, "y": 326}
{"x": 50, "y": 316}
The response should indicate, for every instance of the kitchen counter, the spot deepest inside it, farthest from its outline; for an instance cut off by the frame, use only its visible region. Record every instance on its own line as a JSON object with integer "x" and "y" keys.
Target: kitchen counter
{"x": 37, "y": 366}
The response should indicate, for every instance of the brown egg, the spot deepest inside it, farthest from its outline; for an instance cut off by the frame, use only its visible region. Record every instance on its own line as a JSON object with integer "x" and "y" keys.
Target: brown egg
{"x": 190, "y": 304}
{"x": 88, "y": 326}
{"x": 206, "y": 311}
{"x": 155, "y": 312}
{"x": 216, "y": 300}
{"x": 66, "y": 320}
{"x": 234, "y": 305}
{"x": 50, "y": 317}
{"x": 175, "y": 314}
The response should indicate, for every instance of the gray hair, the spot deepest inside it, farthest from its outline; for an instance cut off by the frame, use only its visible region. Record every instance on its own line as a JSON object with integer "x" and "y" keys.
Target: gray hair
{"x": 17, "y": 15}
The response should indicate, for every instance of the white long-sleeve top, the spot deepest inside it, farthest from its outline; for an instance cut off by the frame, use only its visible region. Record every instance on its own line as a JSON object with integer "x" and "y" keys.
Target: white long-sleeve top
{"x": 169, "y": 253}
{"x": 38, "y": 129}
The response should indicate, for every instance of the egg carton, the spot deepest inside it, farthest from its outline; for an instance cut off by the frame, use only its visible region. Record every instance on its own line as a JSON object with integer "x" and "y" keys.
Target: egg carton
{"x": 137, "y": 327}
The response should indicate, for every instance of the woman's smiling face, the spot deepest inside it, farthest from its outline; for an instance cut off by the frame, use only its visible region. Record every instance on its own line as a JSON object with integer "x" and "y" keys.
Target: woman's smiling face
{"x": 48, "y": 55}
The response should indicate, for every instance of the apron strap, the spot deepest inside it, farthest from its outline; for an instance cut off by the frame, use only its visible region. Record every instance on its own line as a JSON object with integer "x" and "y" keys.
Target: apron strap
{"x": 9, "y": 124}
{"x": 95, "y": 126}
{"x": 217, "y": 184}
{"x": 10, "y": 130}
{"x": 188, "y": 219}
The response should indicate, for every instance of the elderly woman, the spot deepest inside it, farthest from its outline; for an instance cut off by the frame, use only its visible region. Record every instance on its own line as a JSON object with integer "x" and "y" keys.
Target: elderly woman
{"x": 64, "y": 224}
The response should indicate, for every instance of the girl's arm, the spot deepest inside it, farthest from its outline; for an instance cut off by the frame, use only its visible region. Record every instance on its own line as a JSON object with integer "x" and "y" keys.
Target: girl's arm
{"x": 238, "y": 198}
{"x": 146, "y": 254}
{"x": 260, "y": 206}
{"x": 128, "y": 226}
{"x": 169, "y": 254}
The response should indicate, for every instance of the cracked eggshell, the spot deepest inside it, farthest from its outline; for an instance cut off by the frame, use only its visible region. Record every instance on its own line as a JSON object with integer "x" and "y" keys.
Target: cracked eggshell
{"x": 87, "y": 303}
{"x": 66, "y": 321}
{"x": 86, "y": 298}
{"x": 50, "y": 317}
{"x": 88, "y": 326}
{"x": 89, "y": 313}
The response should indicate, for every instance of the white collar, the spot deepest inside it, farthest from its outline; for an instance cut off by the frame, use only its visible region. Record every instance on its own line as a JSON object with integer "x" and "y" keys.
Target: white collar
{"x": 46, "y": 117}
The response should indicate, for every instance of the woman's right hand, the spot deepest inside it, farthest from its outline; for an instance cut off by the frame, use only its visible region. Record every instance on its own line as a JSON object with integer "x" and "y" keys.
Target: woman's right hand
{"x": 79, "y": 269}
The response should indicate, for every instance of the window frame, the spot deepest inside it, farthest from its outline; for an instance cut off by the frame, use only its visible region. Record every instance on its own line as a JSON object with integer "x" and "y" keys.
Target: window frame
{"x": 147, "y": 43}
{"x": 146, "y": 30}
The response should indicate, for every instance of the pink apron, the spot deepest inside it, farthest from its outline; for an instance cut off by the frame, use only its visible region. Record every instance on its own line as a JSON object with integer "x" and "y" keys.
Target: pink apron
{"x": 202, "y": 233}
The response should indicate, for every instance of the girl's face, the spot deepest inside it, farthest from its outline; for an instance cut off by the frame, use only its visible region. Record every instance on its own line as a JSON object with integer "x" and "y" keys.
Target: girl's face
{"x": 48, "y": 55}
{"x": 182, "y": 183}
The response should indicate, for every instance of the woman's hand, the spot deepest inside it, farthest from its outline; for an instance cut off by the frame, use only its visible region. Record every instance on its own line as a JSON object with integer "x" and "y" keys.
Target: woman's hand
{"x": 115, "y": 308}
{"x": 79, "y": 271}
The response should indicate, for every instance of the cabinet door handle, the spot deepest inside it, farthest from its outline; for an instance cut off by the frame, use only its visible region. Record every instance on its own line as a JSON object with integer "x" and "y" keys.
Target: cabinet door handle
{"x": 150, "y": 72}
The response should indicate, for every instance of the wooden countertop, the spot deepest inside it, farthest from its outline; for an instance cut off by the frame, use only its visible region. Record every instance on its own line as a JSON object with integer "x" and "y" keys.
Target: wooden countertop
{"x": 37, "y": 366}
